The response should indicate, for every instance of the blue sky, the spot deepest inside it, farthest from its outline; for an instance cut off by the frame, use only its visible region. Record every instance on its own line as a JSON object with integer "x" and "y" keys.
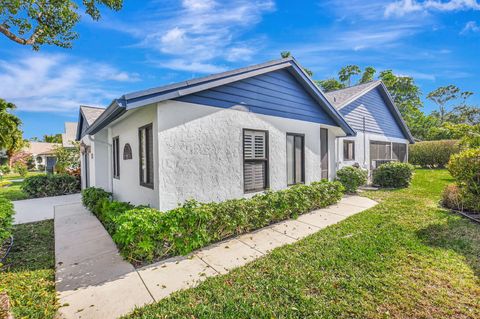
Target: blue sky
{"x": 152, "y": 43}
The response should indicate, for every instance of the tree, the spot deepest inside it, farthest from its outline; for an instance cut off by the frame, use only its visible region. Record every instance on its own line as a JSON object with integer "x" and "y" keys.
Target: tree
{"x": 347, "y": 72}
{"x": 441, "y": 96}
{"x": 330, "y": 85}
{"x": 287, "y": 54}
{"x": 368, "y": 75}
{"x": 11, "y": 136}
{"x": 54, "y": 138}
{"x": 404, "y": 91}
{"x": 39, "y": 22}
{"x": 464, "y": 114}
{"x": 68, "y": 159}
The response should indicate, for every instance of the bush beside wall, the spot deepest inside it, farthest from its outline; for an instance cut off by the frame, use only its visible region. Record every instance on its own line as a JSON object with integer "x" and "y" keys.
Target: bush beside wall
{"x": 50, "y": 185}
{"x": 352, "y": 178}
{"x": 145, "y": 234}
{"x": 432, "y": 154}
{"x": 393, "y": 175}
{"x": 6, "y": 219}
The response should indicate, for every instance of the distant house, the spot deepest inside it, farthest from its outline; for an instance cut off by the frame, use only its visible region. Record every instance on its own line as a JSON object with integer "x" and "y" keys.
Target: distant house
{"x": 381, "y": 133}
{"x": 228, "y": 135}
{"x": 43, "y": 153}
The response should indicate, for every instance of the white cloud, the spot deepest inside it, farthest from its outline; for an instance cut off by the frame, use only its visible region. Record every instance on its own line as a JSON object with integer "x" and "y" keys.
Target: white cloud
{"x": 55, "y": 83}
{"x": 199, "y": 32}
{"x": 404, "y": 7}
{"x": 470, "y": 26}
{"x": 182, "y": 65}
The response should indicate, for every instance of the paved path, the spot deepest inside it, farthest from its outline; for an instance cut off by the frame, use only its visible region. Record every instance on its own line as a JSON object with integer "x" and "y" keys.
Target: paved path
{"x": 93, "y": 281}
{"x": 37, "y": 209}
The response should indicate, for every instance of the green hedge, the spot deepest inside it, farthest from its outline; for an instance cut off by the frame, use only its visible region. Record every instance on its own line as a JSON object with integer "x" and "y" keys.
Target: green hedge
{"x": 465, "y": 169}
{"x": 393, "y": 174}
{"x": 145, "y": 234}
{"x": 432, "y": 154}
{"x": 6, "y": 219}
{"x": 352, "y": 178}
{"x": 50, "y": 185}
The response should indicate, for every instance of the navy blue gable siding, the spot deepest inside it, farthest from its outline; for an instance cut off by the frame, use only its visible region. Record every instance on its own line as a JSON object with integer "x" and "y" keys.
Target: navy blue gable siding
{"x": 378, "y": 117}
{"x": 277, "y": 93}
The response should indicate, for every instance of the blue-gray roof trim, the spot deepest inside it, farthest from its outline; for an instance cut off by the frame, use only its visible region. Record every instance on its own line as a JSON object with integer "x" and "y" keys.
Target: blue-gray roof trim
{"x": 172, "y": 91}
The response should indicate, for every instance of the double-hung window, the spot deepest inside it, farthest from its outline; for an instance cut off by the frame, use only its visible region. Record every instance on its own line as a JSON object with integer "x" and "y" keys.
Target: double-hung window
{"x": 145, "y": 138}
{"x": 255, "y": 160}
{"x": 295, "y": 158}
{"x": 348, "y": 150}
{"x": 116, "y": 156}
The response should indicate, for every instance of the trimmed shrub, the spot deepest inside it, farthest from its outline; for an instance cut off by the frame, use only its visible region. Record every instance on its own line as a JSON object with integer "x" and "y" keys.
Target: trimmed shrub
{"x": 393, "y": 174}
{"x": 50, "y": 185}
{"x": 458, "y": 198}
{"x": 465, "y": 168}
{"x": 144, "y": 233}
{"x": 352, "y": 178}
{"x": 432, "y": 154}
{"x": 6, "y": 219}
{"x": 93, "y": 197}
{"x": 21, "y": 169}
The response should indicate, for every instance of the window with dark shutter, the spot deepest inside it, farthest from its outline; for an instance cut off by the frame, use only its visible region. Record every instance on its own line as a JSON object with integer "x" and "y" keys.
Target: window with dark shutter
{"x": 116, "y": 156}
{"x": 255, "y": 160}
{"x": 145, "y": 137}
{"x": 295, "y": 158}
{"x": 348, "y": 150}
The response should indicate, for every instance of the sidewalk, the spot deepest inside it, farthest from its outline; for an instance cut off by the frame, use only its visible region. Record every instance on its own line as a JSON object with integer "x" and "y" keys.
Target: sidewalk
{"x": 38, "y": 209}
{"x": 93, "y": 281}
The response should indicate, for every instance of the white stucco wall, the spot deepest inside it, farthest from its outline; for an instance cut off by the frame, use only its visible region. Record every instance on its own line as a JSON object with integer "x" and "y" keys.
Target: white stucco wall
{"x": 362, "y": 148}
{"x": 98, "y": 169}
{"x": 200, "y": 151}
{"x": 127, "y": 188}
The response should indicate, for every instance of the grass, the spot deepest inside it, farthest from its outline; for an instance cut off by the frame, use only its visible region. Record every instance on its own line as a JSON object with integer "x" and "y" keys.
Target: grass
{"x": 28, "y": 275}
{"x": 14, "y": 191}
{"x": 404, "y": 258}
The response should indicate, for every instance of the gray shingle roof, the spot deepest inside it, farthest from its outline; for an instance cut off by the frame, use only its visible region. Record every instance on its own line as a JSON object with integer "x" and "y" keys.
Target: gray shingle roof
{"x": 91, "y": 113}
{"x": 339, "y": 98}
{"x": 69, "y": 135}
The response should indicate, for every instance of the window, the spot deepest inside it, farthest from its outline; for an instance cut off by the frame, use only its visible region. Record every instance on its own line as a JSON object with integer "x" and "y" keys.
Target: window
{"x": 116, "y": 157}
{"x": 127, "y": 152}
{"x": 255, "y": 160}
{"x": 295, "y": 158}
{"x": 145, "y": 138}
{"x": 399, "y": 151}
{"x": 348, "y": 150}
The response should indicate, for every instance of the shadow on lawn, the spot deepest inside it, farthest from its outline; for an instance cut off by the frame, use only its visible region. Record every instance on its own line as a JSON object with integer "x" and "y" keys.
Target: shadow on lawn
{"x": 457, "y": 234}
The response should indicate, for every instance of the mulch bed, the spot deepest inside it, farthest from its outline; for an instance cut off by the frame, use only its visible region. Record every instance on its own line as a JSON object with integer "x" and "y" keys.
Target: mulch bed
{"x": 5, "y": 249}
{"x": 5, "y": 307}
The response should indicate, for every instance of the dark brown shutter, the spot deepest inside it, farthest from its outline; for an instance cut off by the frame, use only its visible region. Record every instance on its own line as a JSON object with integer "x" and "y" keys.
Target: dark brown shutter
{"x": 255, "y": 160}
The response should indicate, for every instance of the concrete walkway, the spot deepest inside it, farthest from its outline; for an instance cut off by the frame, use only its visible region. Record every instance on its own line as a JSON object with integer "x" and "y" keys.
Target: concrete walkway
{"x": 93, "y": 281}
{"x": 38, "y": 209}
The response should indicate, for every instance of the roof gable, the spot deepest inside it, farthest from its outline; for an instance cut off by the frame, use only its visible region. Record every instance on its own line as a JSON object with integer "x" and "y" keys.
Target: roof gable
{"x": 87, "y": 116}
{"x": 277, "y": 93}
{"x": 374, "y": 107}
{"x": 181, "y": 89}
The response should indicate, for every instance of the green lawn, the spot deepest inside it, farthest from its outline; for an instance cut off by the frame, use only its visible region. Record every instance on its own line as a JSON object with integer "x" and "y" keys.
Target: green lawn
{"x": 404, "y": 258}
{"x": 14, "y": 191}
{"x": 28, "y": 275}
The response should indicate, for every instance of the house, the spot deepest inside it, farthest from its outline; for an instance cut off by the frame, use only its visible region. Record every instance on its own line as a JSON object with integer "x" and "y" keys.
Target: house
{"x": 42, "y": 153}
{"x": 381, "y": 133}
{"x": 228, "y": 135}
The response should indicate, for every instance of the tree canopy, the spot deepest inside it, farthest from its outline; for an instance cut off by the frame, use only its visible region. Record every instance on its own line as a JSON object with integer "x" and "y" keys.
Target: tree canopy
{"x": 11, "y": 136}
{"x": 39, "y": 22}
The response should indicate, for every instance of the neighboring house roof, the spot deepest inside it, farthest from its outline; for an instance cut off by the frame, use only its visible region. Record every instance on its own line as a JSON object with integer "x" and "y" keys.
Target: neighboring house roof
{"x": 40, "y": 148}
{"x": 343, "y": 97}
{"x": 69, "y": 136}
{"x": 88, "y": 115}
{"x": 142, "y": 98}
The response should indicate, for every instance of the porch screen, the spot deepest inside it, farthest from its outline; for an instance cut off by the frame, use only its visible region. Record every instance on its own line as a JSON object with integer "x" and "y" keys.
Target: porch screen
{"x": 399, "y": 151}
{"x": 255, "y": 160}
